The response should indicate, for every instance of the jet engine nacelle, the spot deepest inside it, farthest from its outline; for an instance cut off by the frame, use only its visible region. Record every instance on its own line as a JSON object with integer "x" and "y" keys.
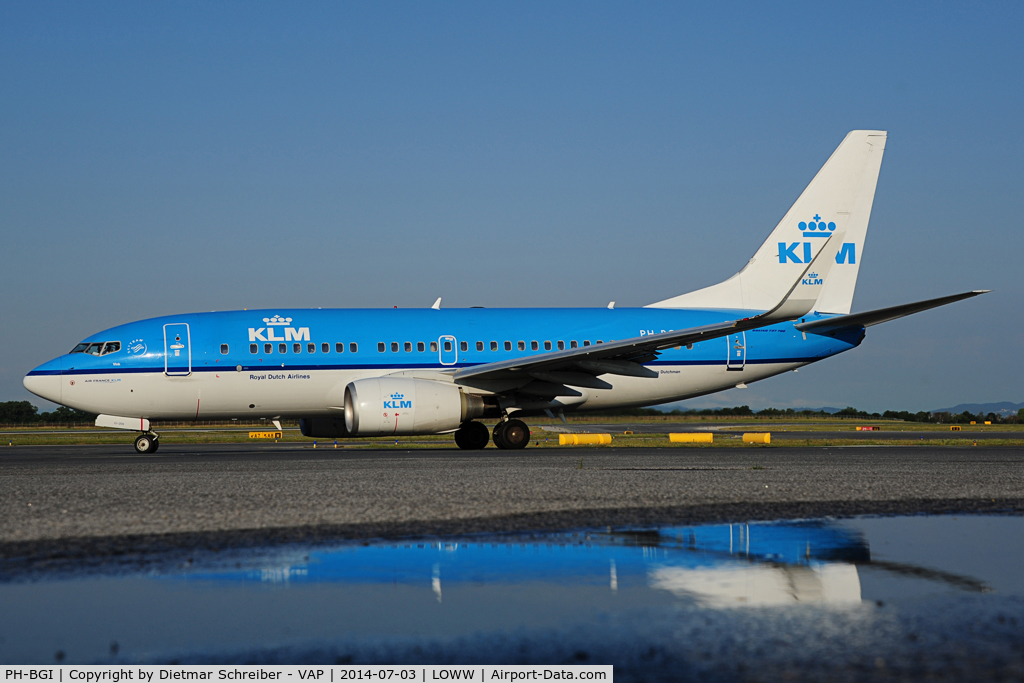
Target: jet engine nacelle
{"x": 401, "y": 405}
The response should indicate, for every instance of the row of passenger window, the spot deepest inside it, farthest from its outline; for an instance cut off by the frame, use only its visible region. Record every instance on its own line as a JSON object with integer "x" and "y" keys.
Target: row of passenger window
{"x": 381, "y": 347}
{"x": 297, "y": 348}
{"x": 464, "y": 346}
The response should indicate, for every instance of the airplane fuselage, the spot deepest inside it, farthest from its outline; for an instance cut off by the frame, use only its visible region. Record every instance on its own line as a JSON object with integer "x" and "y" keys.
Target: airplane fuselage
{"x": 297, "y": 362}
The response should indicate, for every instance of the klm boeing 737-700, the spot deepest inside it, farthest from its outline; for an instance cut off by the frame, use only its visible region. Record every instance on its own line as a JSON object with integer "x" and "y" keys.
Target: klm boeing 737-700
{"x": 359, "y": 372}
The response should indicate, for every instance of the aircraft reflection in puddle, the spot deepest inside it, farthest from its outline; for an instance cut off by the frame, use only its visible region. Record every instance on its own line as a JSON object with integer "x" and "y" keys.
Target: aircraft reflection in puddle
{"x": 726, "y": 565}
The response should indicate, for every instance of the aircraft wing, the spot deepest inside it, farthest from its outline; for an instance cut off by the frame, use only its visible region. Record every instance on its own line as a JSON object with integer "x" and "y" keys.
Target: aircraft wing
{"x": 881, "y": 315}
{"x": 578, "y": 367}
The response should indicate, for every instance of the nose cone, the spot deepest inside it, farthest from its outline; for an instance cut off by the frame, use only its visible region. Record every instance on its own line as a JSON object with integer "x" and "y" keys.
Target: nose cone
{"x": 45, "y": 381}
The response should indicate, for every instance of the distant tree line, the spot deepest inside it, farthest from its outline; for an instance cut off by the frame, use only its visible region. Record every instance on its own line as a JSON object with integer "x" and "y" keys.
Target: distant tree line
{"x": 23, "y": 412}
{"x": 845, "y": 413}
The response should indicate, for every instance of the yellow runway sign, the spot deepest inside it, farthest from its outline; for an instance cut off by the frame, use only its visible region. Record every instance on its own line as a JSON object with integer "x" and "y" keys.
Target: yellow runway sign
{"x": 265, "y": 435}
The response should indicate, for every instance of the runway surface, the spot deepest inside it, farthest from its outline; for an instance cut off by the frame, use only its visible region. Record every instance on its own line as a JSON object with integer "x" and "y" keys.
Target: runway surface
{"x": 89, "y": 497}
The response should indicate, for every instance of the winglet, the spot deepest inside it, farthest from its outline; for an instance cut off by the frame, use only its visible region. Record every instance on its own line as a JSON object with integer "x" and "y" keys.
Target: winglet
{"x": 805, "y": 291}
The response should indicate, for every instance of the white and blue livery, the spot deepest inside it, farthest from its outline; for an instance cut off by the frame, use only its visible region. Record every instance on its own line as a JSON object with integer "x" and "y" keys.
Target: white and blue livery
{"x": 358, "y": 372}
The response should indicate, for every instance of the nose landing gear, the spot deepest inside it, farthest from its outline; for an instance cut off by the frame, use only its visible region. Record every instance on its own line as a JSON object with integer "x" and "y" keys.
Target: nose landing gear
{"x": 147, "y": 443}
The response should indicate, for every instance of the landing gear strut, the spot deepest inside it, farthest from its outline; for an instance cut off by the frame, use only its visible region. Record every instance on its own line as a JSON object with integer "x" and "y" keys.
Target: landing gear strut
{"x": 511, "y": 434}
{"x": 472, "y": 436}
{"x": 147, "y": 443}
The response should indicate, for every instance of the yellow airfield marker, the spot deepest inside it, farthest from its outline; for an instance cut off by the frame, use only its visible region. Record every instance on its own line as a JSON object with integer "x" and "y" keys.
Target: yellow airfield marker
{"x": 584, "y": 439}
{"x": 691, "y": 437}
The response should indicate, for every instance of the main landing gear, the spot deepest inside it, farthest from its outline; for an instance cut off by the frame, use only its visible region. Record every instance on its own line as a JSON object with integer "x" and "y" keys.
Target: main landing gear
{"x": 507, "y": 434}
{"x": 472, "y": 436}
{"x": 511, "y": 434}
{"x": 147, "y": 443}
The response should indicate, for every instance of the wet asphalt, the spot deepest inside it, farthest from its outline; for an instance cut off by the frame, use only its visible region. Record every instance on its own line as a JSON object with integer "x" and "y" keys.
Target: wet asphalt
{"x": 99, "y": 499}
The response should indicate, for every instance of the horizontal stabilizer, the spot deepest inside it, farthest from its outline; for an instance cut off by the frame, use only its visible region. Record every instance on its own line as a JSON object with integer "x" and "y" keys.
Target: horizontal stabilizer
{"x": 881, "y": 315}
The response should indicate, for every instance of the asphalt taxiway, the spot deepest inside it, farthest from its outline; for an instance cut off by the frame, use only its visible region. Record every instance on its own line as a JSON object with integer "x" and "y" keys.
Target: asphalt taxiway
{"x": 98, "y": 497}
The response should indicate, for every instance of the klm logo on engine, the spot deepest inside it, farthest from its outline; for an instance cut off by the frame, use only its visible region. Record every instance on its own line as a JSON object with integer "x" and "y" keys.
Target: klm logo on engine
{"x": 800, "y": 252}
{"x": 397, "y": 402}
{"x": 267, "y": 334}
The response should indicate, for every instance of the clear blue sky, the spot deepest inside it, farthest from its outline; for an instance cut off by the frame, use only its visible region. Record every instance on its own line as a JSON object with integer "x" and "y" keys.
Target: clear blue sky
{"x": 171, "y": 157}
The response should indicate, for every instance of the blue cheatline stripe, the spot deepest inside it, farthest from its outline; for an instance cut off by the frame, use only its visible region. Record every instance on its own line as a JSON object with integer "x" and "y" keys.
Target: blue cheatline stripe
{"x": 392, "y": 368}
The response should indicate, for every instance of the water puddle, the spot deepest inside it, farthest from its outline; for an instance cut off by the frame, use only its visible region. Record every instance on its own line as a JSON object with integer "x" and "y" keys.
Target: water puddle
{"x": 588, "y": 594}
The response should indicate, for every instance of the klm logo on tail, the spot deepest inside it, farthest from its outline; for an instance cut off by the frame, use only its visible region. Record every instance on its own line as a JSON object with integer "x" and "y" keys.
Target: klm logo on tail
{"x": 800, "y": 252}
{"x": 812, "y": 279}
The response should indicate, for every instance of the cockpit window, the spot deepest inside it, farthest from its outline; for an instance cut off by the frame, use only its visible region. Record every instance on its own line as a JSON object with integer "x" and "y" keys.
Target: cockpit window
{"x": 97, "y": 348}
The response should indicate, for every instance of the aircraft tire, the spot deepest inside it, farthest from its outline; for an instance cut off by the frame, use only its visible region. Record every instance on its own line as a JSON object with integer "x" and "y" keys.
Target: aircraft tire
{"x": 515, "y": 435}
{"x": 472, "y": 436}
{"x": 145, "y": 444}
{"x": 499, "y": 435}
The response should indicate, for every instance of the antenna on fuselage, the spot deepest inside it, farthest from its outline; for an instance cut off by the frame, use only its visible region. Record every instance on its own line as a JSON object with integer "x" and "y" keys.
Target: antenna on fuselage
{"x": 611, "y": 305}
{"x": 437, "y": 304}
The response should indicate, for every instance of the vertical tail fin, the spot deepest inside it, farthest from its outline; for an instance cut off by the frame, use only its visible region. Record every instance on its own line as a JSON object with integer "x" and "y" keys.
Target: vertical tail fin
{"x": 839, "y": 198}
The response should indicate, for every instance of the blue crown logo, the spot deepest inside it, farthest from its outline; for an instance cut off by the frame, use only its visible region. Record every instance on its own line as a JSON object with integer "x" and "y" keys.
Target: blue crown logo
{"x": 817, "y": 227}
{"x": 397, "y": 397}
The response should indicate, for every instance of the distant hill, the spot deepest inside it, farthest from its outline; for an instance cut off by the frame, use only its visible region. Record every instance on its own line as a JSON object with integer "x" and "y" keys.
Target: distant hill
{"x": 1002, "y": 408}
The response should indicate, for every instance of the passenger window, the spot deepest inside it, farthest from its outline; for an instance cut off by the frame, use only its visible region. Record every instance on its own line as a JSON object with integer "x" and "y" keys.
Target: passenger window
{"x": 508, "y": 346}
{"x": 268, "y": 348}
{"x": 586, "y": 342}
{"x": 254, "y": 348}
{"x": 572, "y": 344}
{"x": 464, "y": 346}
{"x": 447, "y": 346}
{"x": 600, "y": 342}
{"x": 339, "y": 347}
{"x": 408, "y": 347}
{"x": 420, "y": 346}
{"x": 394, "y": 347}
{"x": 547, "y": 346}
{"x": 296, "y": 348}
{"x": 561, "y": 345}
{"x": 534, "y": 346}
{"x": 326, "y": 348}
{"x": 381, "y": 347}
{"x": 433, "y": 347}
{"x": 311, "y": 347}
{"x": 521, "y": 345}
{"x": 223, "y": 349}
{"x": 282, "y": 348}
{"x": 353, "y": 347}
{"x": 479, "y": 346}
{"x": 494, "y": 346}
